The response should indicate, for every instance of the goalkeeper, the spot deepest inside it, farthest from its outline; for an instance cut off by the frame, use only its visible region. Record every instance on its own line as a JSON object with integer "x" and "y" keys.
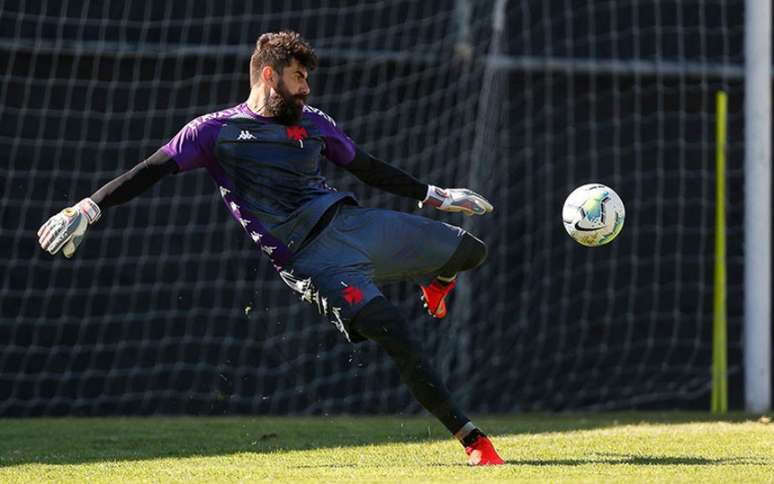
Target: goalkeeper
{"x": 264, "y": 155}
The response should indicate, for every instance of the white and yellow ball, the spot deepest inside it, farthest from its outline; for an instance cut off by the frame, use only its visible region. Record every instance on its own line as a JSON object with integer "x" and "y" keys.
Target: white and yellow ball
{"x": 593, "y": 214}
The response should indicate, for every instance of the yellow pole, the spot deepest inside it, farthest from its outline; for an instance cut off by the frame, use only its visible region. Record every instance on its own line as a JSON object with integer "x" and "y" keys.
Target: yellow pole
{"x": 719, "y": 344}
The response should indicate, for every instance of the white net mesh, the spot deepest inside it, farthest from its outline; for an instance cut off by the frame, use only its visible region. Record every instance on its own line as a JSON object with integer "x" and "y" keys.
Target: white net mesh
{"x": 168, "y": 307}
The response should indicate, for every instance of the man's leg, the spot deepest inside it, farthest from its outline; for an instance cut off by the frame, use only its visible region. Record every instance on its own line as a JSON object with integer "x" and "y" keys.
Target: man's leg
{"x": 470, "y": 254}
{"x": 382, "y": 323}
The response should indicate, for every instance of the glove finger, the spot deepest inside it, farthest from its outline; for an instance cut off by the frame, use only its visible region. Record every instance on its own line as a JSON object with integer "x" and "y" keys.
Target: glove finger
{"x": 47, "y": 226}
{"x": 475, "y": 207}
{"x": 45, "y": 229}
{"x": 43, "y": 235}
{"x": 52, "y": 233}
{"x": 55, "y": 245}
{"x": 68, "y": 249}
{"x": 72, "y": 245}
{"x": 62, "y": 234}
{"x": 467, "y": 207}
{"x": 478, "y": 200}
{"x": 483, "y": 203}
{"x": 480, "y": 208}
{"x": 56, "y": 234}
{"x": 44, "y": 226}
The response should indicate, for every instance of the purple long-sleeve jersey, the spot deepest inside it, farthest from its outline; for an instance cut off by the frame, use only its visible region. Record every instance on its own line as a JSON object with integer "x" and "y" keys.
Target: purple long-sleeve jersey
{"x": 268, "y": 173}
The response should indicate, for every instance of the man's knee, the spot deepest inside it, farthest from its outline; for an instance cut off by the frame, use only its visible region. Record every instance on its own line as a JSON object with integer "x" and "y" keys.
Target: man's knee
{"x": 379, "y": 320}
{"x": 478, "y": 251}
{"x": 471, "y": 253}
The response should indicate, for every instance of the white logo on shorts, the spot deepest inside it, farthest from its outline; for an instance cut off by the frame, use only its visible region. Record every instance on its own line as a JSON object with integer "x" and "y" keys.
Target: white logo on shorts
{"x": 311, "y": 294}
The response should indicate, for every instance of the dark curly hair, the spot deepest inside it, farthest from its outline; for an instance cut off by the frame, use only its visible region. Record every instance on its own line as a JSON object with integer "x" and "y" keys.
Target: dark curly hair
{"x": 278, "y": 49}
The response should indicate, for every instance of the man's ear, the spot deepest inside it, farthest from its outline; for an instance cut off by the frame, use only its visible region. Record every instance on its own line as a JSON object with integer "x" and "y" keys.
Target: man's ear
{"x": 269, "y": 76}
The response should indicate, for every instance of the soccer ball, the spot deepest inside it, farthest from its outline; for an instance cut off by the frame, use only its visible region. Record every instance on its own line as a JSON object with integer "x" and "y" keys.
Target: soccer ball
{"x": 593, "y": 214}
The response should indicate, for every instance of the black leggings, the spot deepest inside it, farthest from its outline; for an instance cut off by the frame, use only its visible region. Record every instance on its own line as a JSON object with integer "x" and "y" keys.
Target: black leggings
{"x": 470, "y": 254}
{"x": 382, "y": 323}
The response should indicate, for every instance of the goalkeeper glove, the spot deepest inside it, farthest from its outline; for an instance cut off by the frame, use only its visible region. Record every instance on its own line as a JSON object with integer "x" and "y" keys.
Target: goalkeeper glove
{"x": 457, "y": 200}
{"x": 66, "y": 229}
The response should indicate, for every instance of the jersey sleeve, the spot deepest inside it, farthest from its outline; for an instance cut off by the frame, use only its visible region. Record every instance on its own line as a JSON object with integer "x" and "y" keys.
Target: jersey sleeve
{"x": 194, "y": 145}
{"x": 339, "y": 148}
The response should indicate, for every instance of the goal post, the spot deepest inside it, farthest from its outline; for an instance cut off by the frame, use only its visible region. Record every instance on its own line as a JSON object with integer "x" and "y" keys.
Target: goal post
{"x": 719, "y": 317}
{"x": 757, "y": 218}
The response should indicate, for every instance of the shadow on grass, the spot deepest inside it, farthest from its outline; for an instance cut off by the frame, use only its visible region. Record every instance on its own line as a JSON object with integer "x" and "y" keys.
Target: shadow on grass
{"x": 643, "y": 460}
{"x": 613, "y": 459}
{"x": 608, "y": 459}
{"x": 91, "y": 440}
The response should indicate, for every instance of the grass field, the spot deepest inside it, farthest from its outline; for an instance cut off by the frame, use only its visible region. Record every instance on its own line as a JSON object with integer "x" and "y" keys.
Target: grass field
{"x": 621, "y": 447}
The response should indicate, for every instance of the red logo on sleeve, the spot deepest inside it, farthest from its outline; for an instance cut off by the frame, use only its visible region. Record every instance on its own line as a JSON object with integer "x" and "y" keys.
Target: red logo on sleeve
{"x": 297, "y": 133}
{"x": 353, "y": 295}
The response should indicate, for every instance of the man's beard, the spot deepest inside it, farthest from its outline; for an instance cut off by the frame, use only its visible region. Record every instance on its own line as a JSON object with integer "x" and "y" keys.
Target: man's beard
{"x": 284, "y": 106}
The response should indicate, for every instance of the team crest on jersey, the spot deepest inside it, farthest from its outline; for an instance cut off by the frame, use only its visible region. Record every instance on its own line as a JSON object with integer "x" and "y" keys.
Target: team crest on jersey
{"x": 297, "y": 133}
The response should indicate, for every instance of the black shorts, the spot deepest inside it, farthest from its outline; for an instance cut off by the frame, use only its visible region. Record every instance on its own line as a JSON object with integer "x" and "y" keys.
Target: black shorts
{"x": 340, "y": 268}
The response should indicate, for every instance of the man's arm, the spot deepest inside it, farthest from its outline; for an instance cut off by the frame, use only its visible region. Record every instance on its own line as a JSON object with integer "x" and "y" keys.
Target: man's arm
{"x": 379, "y": 174}
{"x": 66, "y": 229}
{"x": 135, "y": 181}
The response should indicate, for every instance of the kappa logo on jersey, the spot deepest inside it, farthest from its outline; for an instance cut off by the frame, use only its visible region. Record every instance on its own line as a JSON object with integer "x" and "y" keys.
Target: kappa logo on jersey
{"x": 353, "y": 295}
{"x": 244, "y": 135}
{"x": 297, "y": 133}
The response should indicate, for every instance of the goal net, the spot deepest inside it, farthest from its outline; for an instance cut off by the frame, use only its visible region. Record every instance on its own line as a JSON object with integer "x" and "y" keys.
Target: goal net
{"x": 169, "y": 308}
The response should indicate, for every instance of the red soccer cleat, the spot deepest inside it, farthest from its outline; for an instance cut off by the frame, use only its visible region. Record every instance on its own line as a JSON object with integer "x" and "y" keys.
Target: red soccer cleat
{"x": 434, "y": 295}
{"x": 482, "y": 453}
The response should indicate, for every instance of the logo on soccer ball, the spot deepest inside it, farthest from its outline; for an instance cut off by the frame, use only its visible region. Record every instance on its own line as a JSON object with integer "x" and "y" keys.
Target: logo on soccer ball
{"x": 593, "y": 214}
{"x": 353, "y": 295}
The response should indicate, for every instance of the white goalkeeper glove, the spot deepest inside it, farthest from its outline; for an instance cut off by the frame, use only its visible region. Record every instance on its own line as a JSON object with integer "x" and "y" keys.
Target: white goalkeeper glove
{"x": 66, "y": 229}
{"x": 456, "y": 200}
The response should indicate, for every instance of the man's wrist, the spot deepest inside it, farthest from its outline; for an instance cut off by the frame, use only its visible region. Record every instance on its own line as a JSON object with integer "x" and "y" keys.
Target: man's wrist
{"x": 89, "y": 209}
{"x": 427, "y": 193}
{"x": 435, "y": 196}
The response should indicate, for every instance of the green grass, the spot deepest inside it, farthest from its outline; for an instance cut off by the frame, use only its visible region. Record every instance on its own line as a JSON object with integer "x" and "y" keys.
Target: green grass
{"x": 621, "y": 447}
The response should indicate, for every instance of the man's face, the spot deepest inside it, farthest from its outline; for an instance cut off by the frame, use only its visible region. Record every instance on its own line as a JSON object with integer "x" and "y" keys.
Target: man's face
{"x": 286, "y": 101}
